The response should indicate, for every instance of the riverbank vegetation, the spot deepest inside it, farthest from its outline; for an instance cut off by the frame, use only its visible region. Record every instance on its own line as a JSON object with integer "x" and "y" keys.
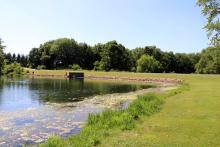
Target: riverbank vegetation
{"x": 189, "y": 118}
{"x": 100, "y": 126}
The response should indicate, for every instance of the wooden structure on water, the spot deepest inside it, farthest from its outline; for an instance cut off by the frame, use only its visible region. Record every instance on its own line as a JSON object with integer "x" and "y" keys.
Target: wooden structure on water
{"x": 76, "y": 75}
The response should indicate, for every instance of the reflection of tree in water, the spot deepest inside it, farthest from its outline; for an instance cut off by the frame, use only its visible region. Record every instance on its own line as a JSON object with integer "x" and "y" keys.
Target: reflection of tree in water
{"x": 1, "y": 88}
{"x": 67, "y": 90}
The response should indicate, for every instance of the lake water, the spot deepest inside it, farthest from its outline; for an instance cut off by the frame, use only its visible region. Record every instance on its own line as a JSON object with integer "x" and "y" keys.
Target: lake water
{"x": 29, "y": 111}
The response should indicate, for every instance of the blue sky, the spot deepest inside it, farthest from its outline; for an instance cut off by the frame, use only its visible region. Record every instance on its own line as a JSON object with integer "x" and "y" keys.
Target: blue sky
{"x": 172, "y": 25}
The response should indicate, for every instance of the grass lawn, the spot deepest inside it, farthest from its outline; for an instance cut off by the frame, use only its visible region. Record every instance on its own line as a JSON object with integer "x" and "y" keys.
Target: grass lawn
{"x": 191, "y": 118}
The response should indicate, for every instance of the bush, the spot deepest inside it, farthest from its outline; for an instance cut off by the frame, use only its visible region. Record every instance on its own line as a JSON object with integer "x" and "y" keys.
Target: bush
{"x": 99, "y": 65}
{"x": 148, "y": 64}
{"x": 76, "y": 67}
{"x": 55, "y": 141}
{"x": 39, "y": 67}
{"x": 13, "y": 69}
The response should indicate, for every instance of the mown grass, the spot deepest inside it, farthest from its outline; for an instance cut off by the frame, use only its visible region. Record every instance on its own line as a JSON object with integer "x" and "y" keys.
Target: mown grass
{"x": 105, "y": 124}
{"x": 191, "y": 118}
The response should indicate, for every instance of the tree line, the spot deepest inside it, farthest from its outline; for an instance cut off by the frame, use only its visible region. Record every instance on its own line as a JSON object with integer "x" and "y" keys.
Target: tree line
{"x": 11, "y": 58}
{"x": 64, "y": 53}
{"x": 112, "y": 56}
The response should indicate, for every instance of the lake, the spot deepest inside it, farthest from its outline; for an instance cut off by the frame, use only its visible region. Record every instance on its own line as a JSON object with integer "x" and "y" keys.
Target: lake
{"x": 31, "y": 109}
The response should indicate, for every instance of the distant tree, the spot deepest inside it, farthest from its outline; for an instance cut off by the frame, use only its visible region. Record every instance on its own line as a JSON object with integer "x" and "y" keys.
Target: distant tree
{"x": 13, "y": 57}
{"x": 168, "y": 62}
{"x": 148, "y": 64}
{"x": 65, "y": 52}
{"x": 13, "y": 69}
{"x": 18, "y": 58}
{"x": 87, "y": 57}
{"x": 115, "y": 56}
{"x": 8, "y": 57}
{"x": 211, "y": 10}
{"x": 210, "y": 61}
{"x": 1, "y": 55}
{"x": 34, "y": 57}
{"x": 97, "y": 49}
{"x": 24, "y": 61}
{"x": 184, "y": 63}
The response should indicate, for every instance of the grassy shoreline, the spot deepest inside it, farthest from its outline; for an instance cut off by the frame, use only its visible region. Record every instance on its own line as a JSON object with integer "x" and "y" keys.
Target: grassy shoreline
{"x": 101, "y": 126}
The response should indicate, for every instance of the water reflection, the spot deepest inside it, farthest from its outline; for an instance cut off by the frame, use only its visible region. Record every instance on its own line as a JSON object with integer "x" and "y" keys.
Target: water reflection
{"x": 16, "y": 94}
{"x": 27, "y": 119}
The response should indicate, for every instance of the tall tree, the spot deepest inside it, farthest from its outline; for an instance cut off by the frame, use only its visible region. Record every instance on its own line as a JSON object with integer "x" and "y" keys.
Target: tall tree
{"x": 8, "y": 57}
{"x": 34, "y": 57}
{"x": 18, "y": 59}
{"x": 1, "y": 55}
{"x": 209, "y": 62}
{"x": 211, "y": 10}
{"x": 148, "y": 64}
{"x": 13, "y": 57}
{"x": 115, "y": 56}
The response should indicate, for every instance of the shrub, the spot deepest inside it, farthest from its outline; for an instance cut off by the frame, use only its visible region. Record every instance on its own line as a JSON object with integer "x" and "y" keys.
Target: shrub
{"x": 13, "y": 69}
{"x": 55, "y": 141}
{"x": 39, "y": 67}
{"x": 99, "y": 65}
{"x": 76, "y": 67}
{"x": 148, "y": 64}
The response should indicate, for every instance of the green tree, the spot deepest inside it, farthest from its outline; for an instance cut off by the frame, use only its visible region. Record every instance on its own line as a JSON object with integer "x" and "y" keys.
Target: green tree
{"x": 209, "y": 62}
{"x": 2, "y": 57}
{"x": 14, "y": 57}
{"x": 13, "y": 69}
{"x": 34, "y": 57}
{"x": 211, "y": 10}
{"x": 18, "y": 59}
{"x": 115, "y": 56}
{"x": 184, "y": 63}
{"x": 8, "y": 57}
{"x": 24, "y": 61}
{"x": 86, "y": 56}
{"x": 148, "y": 64}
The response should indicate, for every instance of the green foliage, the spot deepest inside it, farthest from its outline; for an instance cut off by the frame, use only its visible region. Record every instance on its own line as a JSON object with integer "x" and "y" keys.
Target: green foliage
{"x": 55, "y": 141}
{"x": 114, "y": 56}
{"x": 13, "y": 69}
{"x": 99, "y": 65}
{"x": 210, "y": 61}
{"x": 111, "y": 56}
{"x": 211, "y": 10}
{"x": 22, "y": 59}
{"x": 148, "y": 64}
{"x": 76, "y": 67}
{"x": 185, "y": 63}
{"x": 2, "y": 58}
{"x": 39, "y": 67}
{"x": 61, "y": 53}
{"x": 34, "y": 57}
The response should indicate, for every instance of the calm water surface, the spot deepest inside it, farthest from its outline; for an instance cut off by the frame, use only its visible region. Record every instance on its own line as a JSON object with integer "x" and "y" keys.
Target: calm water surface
{"x": 25, "y": 113}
